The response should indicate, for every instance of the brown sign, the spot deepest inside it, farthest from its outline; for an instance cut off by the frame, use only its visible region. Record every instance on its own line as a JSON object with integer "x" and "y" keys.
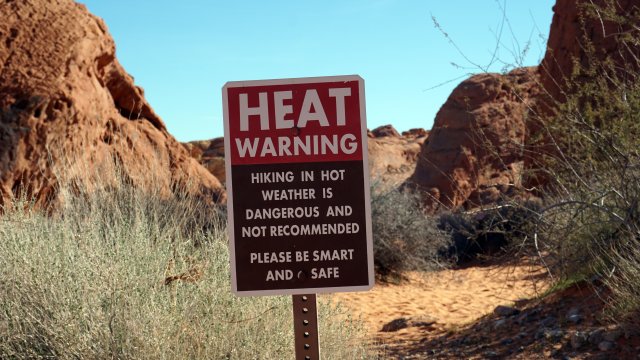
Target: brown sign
{"x": 298, "y": 186}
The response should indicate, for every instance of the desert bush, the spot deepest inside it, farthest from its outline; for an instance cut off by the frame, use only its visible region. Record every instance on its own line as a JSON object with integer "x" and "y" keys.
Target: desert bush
{"x": 114, "y": 274}
{"x": 588, "y": 152}
{"x": 404, "y": 237}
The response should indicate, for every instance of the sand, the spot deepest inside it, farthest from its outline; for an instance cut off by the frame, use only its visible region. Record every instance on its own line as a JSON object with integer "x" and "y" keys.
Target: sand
{"x": 443, "y": 300}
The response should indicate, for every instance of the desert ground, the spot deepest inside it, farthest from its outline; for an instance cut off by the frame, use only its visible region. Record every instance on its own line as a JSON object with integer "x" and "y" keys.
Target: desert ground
{"x": 487, "y": 310}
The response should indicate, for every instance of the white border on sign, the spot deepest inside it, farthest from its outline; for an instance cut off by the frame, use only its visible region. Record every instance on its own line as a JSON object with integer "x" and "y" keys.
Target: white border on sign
{"x": 366, "y": 184}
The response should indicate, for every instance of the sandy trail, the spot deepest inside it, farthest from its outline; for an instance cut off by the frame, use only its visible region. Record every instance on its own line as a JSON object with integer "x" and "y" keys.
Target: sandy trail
{"x": 448, "y": 298}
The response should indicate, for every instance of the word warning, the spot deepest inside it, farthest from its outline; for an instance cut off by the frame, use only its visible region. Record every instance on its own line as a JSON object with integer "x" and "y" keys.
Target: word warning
{"x": 298, "y": 186}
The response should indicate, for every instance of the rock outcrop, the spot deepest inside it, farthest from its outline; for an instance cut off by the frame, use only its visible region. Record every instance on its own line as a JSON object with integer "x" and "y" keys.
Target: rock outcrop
{"x": 474, "y": 155}
{"x": 209, "y": 153}
{"x": 584, "y": 30}
{"x": 383, "y": 131}
{"x": 587, "y": 39}
{"x": 392, "y": 157}
{"x": 475, "y": 150}
{"x": 69, "y": 112}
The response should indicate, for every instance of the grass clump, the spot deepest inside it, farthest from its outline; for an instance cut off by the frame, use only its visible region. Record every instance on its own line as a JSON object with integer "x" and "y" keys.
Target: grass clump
{"x": 404, "y": 237}
{"x": 114, "y": 274}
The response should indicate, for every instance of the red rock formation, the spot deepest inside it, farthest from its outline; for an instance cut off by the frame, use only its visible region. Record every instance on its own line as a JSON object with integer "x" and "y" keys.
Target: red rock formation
{"x": 577, "y": 22}
{"x": 474, "y": 151}
{"x": 385, "y": 130}
{"x": 209, "y": 153}
{"x": 68, "y": 109}
{"x": 587, "y": 38}
{"x": 415, "y": 132}
{"x": 392, "y": 158}
{"x": 455, "y": 166}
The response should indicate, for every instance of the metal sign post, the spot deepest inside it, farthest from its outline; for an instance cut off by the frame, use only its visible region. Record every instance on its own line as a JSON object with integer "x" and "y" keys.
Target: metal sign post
{"x": 305, "y": 327}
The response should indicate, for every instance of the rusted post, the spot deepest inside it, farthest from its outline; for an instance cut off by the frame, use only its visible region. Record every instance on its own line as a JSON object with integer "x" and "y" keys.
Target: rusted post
{"x": 305, "y": 327}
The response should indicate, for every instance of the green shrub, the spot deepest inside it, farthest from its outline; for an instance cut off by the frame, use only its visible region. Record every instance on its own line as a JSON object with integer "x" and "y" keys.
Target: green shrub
{"x": 115, "y": 275}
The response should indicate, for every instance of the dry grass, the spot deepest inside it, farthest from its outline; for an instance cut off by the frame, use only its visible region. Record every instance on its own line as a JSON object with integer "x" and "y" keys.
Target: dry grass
{"x": 123, "y": 274}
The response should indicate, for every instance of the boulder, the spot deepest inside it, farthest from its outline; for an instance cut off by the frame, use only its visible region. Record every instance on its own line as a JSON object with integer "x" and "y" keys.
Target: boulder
{"x": 474, "y": 153}
{"x": 415, "y": 132}
{"x": 209, "y": 153}
{"x": 385, "y": 130}
{"x": 393, "y": 158}
{"x": 69, "y": 111}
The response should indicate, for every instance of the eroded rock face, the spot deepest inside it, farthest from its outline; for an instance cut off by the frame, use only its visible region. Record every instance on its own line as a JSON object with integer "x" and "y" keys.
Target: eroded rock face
{"x": 456, "y": 167}
{"x": 587, "y": 38}
{"x": 474, "y": 153}
{"x": 392, "y": 157}
{"x": 385, "y": 130}
{"x": 209, "y": 153}
{"x": 68, "y": 109}
{"x": 572, "y": 22}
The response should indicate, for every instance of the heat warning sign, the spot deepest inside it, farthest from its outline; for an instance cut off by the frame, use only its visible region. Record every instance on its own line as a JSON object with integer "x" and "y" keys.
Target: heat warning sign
{"x": 298, "y": 186}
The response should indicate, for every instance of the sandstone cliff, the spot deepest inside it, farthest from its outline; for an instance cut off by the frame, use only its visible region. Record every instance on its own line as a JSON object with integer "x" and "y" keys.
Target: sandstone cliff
{"x": 392, "y": 156}
{"x": 584, "y": 30}
{"x": 209, "y": 153}
{"x": 476, "y": 150}
{"x": 69, "y": 111}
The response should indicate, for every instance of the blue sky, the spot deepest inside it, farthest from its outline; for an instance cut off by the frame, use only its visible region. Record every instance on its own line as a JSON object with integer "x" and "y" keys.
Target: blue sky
{"x": 182, "y": 53}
